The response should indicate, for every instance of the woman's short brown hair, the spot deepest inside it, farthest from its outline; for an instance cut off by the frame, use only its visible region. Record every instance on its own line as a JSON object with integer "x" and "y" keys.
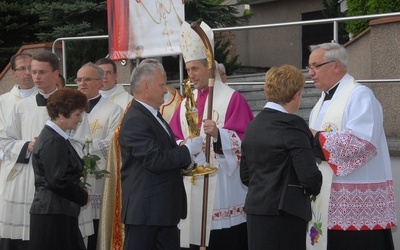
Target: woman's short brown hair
{"x": 65, "y": 101}
{"x": 282, "y": 83}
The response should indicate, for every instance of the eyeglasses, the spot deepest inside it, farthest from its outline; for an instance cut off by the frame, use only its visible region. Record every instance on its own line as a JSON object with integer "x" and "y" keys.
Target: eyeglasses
{"x": 85, "y": 79}
{"x": 316, "y": 67}
{"x": 23, "y": 68}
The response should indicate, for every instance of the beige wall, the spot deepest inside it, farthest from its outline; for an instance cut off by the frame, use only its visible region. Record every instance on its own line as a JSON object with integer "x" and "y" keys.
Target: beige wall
{"x": 274, "y": 46}
{"x": 374, "y": 54}
{"x": 360, "y": 56}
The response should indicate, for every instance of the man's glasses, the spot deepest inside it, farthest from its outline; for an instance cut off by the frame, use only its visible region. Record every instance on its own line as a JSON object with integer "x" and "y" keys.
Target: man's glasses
{"x": 21, "y": 69}
{"x": 85, "y": 79}
{"x": 316, "y": 67}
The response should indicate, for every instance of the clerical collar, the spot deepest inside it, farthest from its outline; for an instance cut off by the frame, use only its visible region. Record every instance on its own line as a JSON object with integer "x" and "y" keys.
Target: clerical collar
{"x": 108, "y": 93}
{"x": 329, "y": 94}
{"x": 93, "y": 102}
{"x": 26, "y": 92}
{"x": 41, "y": 99}
{"x": 47, "y": 95}
{"x": 204, "y": 92}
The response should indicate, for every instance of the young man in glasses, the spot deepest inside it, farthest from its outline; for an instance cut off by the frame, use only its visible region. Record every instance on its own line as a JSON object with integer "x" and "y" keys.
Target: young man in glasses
{"x": 24, "y": 87}
{"x": 115, "y": 92}
{"x": 25, "y": 122}
{"x": 347, "y": 123}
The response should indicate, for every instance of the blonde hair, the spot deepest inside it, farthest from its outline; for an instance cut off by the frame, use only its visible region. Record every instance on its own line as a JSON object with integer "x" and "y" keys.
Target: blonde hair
{"x": 282, "y": 83}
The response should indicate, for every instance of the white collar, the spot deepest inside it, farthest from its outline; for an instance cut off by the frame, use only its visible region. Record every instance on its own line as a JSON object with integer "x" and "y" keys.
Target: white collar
{"x": 275, "y": 106}
{"x": 108, "y": 93}
{"x": 57, "y": 129}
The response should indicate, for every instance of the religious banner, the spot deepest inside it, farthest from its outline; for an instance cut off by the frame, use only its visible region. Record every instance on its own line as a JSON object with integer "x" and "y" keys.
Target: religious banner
{"x": 144, "y": 28}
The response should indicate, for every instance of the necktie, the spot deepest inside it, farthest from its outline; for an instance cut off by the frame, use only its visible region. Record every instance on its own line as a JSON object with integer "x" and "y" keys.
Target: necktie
{"x": 166, "y": 126}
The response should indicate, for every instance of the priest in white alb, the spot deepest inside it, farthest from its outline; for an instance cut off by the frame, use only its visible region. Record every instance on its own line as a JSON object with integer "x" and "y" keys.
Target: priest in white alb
{"x": 103, "y": 118}
{"x": 347, "y": 123}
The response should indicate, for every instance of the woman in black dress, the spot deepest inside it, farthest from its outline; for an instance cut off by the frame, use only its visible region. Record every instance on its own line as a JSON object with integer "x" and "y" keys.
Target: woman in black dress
{"x": 278, "y": 166}
{"x": 58, "y": 169}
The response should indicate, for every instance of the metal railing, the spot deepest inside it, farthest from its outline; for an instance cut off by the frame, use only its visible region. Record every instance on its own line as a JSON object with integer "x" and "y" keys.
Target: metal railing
{"x": 310, "y": 81}
{"x": 334, "y": 21}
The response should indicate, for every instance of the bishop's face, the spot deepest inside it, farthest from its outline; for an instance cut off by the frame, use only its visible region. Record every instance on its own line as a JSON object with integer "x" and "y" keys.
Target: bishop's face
{"x": 198, "y": 73}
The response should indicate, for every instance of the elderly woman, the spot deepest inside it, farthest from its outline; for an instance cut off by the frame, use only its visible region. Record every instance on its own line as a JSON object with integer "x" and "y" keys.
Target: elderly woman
{"x": 278, "y": 166}
{"x": 58, "y": 168}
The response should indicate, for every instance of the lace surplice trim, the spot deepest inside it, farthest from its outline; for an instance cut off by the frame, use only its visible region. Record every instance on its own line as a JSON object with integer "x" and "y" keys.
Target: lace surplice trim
{"x": 346, "y": 152}
{"x": 362, "y": 206}
{"x": 226, "y": 213}
{"x": 235, "y": 145}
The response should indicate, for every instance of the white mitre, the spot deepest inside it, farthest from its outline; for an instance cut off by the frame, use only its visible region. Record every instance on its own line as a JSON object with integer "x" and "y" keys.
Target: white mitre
{"x": 191, "y": 44}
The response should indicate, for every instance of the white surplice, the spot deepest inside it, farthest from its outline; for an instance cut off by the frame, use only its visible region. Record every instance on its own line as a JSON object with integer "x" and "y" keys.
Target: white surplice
{"x": 118, "y": 95}
{"x": 100, "y": 123}
{"x": 358, "y": 154}
{"x": 226, "y": 193}
{"x": 25, "y": 122}
{"x": 7, "y": 101}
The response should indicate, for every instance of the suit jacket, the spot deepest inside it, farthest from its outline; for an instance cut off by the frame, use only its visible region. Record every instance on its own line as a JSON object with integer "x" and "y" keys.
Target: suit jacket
{"x": 278, "y": 165}
{"x": 152, "y": 185}
{"x": 57, "y": 169}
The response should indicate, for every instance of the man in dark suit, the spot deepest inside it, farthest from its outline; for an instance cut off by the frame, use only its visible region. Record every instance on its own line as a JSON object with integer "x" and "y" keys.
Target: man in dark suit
{"x": 153, "y": 194}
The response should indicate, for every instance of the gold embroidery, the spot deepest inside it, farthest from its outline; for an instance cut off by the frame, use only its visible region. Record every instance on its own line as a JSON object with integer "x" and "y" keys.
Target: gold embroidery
{"x": 95, "y": 125}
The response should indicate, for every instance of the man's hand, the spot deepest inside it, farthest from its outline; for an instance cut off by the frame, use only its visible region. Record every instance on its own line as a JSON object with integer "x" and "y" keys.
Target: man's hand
{"x": 31, "y": 144}
{"x": 195, "y": 145}
{"x": 210, "y": 128}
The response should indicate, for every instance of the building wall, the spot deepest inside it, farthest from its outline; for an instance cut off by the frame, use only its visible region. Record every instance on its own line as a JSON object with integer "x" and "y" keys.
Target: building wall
{"x": 373, "y": 55}
{"x": 360, "y": 56}
{"x": 274, "y": 46}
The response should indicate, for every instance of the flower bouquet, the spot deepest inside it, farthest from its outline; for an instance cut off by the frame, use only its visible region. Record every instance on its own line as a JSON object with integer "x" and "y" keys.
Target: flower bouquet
{"x": 90, "y": 164}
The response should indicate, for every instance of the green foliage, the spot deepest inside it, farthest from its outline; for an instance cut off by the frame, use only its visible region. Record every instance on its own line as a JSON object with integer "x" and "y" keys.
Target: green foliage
{"x": 217, "y": 15}
{"x": 60, "y": 19}
{"x": 90, "y": 165}
{"x": 214, "y": 13}
{"x": 332, "y": 10}
{"x": 17, "y": 27}
{"x": 29, "y": 22}
{"x": 221, "y": 54}
{"x": 367, "y": 7}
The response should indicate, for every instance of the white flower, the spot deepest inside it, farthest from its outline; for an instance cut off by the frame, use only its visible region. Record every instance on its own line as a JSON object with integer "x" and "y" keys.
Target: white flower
{"x": 88, "y": 139}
